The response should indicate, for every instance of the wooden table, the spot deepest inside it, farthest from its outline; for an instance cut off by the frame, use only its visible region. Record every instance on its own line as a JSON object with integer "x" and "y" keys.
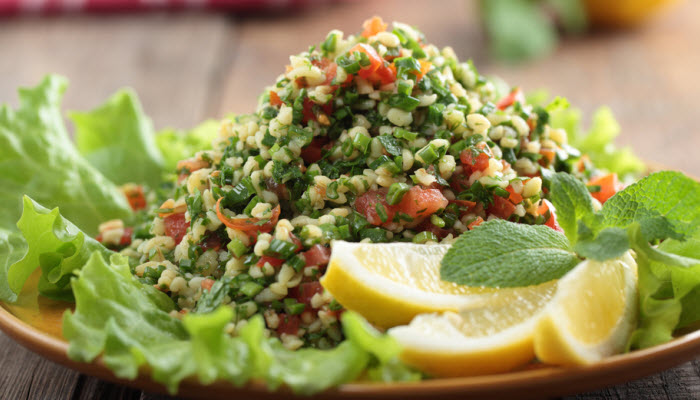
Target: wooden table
{"x": 188, "y": 67}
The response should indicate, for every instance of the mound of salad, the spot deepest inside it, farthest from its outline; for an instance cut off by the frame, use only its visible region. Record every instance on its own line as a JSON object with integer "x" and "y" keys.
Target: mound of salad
{"x": 199, "y": 253}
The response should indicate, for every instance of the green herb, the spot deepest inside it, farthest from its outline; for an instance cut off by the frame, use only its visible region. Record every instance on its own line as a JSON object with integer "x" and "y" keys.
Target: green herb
{"x": 211, "y": 299}
{"x": 570, "y": 199}
{"x": 396, "y": 192}
{"x": 281, "y": 248}
{"x": 391, "y": 144}
{"x": 499, "y": 253}
{"x": 328, "y": 45}
{"x": 404, "y": 102}
{"x": 381, "y": 212}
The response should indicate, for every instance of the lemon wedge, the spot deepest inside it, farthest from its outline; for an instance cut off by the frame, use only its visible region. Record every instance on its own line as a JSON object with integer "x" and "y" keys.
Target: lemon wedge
{"x": 457, "y": 330}
{"x": 497, "y": 337}
{"x": 592, "y": 314}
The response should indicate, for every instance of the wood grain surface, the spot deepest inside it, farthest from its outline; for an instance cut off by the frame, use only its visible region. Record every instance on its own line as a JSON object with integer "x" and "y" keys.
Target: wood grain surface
{"x": 190, "y": 66}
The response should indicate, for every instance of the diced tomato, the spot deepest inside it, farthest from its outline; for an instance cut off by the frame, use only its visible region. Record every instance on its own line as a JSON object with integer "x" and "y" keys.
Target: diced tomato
{"x": 126, "y": 237}
{"x": 373, "y": 26}
{"x": 416, "y": 203}
{"x": 419, "y": 202}
{"x": 472, "y": 163}
{"x": 383, "y": 75}
{"x": 366, "y": 205}
{"x": 191, "y": 164}
{"x": 424, "y": 68}
{"x": 275, "y": 262}
{"x": 275, "y": 99}
{"x": 134, "y": 194}
{"x": 427, "y": 226}
{"x": 547, "y": 157}
{"x": 305, "y": 291}
{"x": 507, "y": 101}
{"x": 207, "y": 284}
{"x": 308, "y": 110}
{"x": 312, "y": 153}
{"x": 478, "y": 221}
{"x": 329, "y": 68}
{"x": 515, "y": 198}
{"x": 552, "y": 221}
{"x": 464, "y": 203}
{"x": 459, "y": 182}
{"x": 289, "y": 324}
{"x": 213, "y": 241}
{"x": 609, "y": 185}
{"x": 502, "y": 208}
{"x": 317, "y": 255}
{"x": 125, "y": 240}
{"x": 176, "y": 226}
{"x": 248, "y": 225}
{"x": 296, "y": 241}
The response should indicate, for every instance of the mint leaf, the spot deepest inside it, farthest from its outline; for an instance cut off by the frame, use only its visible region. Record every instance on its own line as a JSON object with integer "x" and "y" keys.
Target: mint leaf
{"x": 571, "y": 199}
{"x": 118, "y": 139}
{"x": 499, "y": 253}
{"x": 666, "y": 204}
{"x": 38, "y": 160}
{"x": 610, "y": 243}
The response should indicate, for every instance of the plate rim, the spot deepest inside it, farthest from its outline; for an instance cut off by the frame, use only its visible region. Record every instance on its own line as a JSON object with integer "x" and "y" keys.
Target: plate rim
{"x": 548, "y": 380}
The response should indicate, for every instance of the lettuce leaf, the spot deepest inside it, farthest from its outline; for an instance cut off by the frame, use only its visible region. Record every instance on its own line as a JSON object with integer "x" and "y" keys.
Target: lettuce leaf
{"x": 55, "y": 245}
{"x": 177, "y": 145}
{"x": 39, "y": 160}
{"x": 129, "y": 324}
{"x": 117, "y": 138}
{"x": 12, "y": 248}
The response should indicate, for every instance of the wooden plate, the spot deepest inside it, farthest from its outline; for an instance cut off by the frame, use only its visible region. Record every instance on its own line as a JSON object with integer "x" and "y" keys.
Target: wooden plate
{"x": 35, "y": 322}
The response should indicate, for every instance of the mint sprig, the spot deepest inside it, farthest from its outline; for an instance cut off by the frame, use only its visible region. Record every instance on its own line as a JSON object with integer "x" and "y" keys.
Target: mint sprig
{"x": 664, "y": 206}
{"x": 499, "y": 253}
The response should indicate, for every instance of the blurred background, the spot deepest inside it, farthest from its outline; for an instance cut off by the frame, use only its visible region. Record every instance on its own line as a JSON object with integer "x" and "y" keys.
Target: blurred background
{"x": 195, "y": 59}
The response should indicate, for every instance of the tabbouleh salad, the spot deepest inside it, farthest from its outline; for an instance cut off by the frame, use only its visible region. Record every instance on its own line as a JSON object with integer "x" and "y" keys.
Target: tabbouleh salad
{"x": 374, "y": 137}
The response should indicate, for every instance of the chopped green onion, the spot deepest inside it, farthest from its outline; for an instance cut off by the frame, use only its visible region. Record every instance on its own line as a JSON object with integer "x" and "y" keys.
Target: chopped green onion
{"x": 282, "y": 248}
{"x": 425, "y": 236}
{"x": 236, "y": 247}
{"x": 268, "y": 140}
{"x": 405, "y": 87}
{"x": 404, "y": 102}
{"x": 435, "y": 113}
{"x": 292, "y": 307}
{"x": 349, "y": 65}
{"x": 297, "y": 263}
{"x": 250, "y": 289}
{"x": 401, "y": 133}
{"x": 361, "y": 142}
{"x": 499, "y": 191}
{"x": 396, "y": 192}
{"x": 332, "y": 190}
{"x": 437, "y": 221}
{"x": 186, "y": 265}
{"x": 428, "y": 154}
{"x": 328, "y": 45}
{"x": 335, "y": 306}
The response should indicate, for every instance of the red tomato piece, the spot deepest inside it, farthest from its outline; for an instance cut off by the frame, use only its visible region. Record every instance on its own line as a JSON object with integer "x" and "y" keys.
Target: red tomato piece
{"x": 374, "y": 59}
{"x": 317, "y": 255}
{"x": 275, "y": 99}
{"x": 207, "y": 284}
{"x": 515, "y": 198}
{"x": 248, "y": 225}
{"x": 502, "y": 208}
{"x": 312, "y": 153}
{"x": 474, "y": 163}
{"x": 459, "y": 183}
{"x": 126, "y": 237}
{"x": 289, "y": 324}
{"x": 308, "y": 110}
{"x": 305, "y": 291}
{"x": 366, "y": 205}
{"x": 296, "y": 241}
{"x": 507, "y": 101}
{"x": 552, "y": 221}
{"x": 134, "y": 194}
{"x": 213, "y": 241}
{"x": 275, "y": 262}
{"x": 478, "y": 221}
{"x": 176, "y": 226}
{"x": 419, "y": 202}
{"x": 373, "y": 26}
{"x": 609, "y": 185}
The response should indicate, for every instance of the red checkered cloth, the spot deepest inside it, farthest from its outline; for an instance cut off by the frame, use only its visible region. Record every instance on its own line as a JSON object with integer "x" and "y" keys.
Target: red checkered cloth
{"x": 13, "y": 7}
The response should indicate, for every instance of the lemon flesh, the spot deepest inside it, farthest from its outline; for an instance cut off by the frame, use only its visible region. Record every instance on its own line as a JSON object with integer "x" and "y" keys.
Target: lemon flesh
{"x": 592, "y": 314}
